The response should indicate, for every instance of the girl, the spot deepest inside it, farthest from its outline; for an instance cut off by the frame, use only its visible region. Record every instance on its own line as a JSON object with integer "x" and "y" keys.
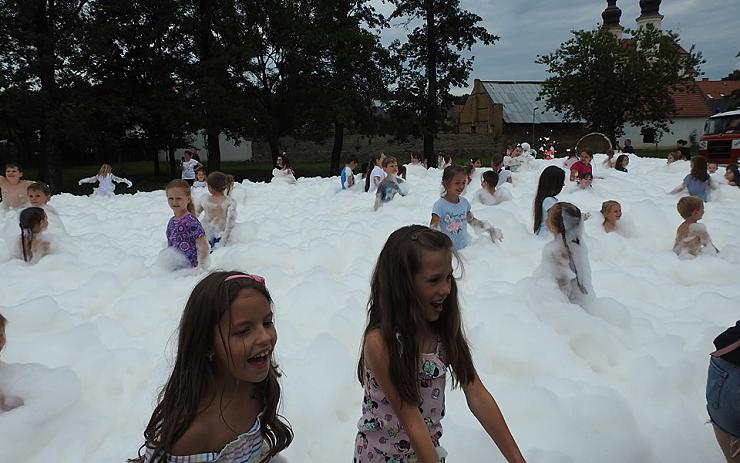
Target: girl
{"x": 476, "y": 162}
{"x": 184, "y": 231}
{"x": 219, "y": 208}
{"x": 612, "y": 212}
{"x": 609, "y": 161}
{"x": 375, "y": 173}
{"x": 551, "y": 183}
{"x": 698, "y": 182}
{"x": 732, "y": 175}
{"x": 570, "y": 159}
{"x": 451, "y": 213}
{"x": 105, "y": 178}
{"x": 220, "y": 402}
{"x": 188, "y": 167}
{"x": 585, "y": 181}
{"x": 622, "y": 162}
{"x": 444, "y": 161}
{"x": 32, "y": 222}
{"x": 200, "y": 179}
{"x": 283, "y": 171}
{"x": 504, "y": 176}
{"x": 566, "y": 256}
{"x": 670, "y": 158}
{"x": 417, "y": 159}
{"x": 582, "y": 166}
{"x": 414, "y": 336}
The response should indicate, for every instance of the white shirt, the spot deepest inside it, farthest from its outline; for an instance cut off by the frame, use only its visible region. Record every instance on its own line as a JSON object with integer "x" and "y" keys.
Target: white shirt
{"x": 188, "y": 169}
{"x": 376, "y": 172}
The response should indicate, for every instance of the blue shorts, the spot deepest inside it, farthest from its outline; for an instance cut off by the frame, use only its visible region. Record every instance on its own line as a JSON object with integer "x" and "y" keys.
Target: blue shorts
{"x": 723, "y": 395}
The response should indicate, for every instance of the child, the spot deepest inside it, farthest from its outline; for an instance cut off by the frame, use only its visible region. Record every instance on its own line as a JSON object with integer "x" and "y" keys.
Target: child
{"x": 698, "y": 182}
{"x": 609, "y": 161}
{"x": 585, "y": 181}
{"x": 219, "y": 208}
{"x": 220, "y": 402}
{"x": 551, "y": 183}
{"x": 712, "y": 167}
{"x": 628, "y": 148}
{"x": 391, "y": 184}
{"x": 475, "y": 161}
{"x": 13, "y": 188}
{"x": 488, "y": 194}
{"x": 622, "y": 162}
{"x": 504, "y": 176}
{"x": 347, "y": 177}
{"x": 670, "y": 159}
{"x": 188, "y": 167}
{"x": 445, "y": 160}
{"x": 105, "y": 178}
{"x": 612, "y": 212}
{"x": 417, "y": 159}
{"x": 200, "y": 179}
{"x": 570, "y": 159}
{"x": 692, "y": 238}
{"x": 414, "y": 338}
{"x": 451, "y": 213}
{"x": 469, "y": 171}
{"x": 32, "y": 222}
{"x": 375, "y": 173}
{"x": 184, "y": 231}
{"x": 38, "y": 196}
{"x": 283, "y": 171}
{"x": 732, "y": 175}
{"x": 566, "y": 256}
{"x": 582, "y": 166}
{"x": 723, "y": 390}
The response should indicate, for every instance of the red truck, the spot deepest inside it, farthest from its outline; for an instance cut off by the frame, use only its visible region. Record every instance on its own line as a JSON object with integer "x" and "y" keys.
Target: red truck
{"x": 721, "y": 140}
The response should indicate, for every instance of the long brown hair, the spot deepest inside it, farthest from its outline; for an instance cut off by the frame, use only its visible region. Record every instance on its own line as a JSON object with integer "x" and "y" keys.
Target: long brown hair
{"x": 29, "y": 219}
{"x": 551, "y": 183}
{"x": 394, "y": 310}
{"x": 699, "y": 168}
{"x": 178, "y": 183}
{"x": 193, "y": 375}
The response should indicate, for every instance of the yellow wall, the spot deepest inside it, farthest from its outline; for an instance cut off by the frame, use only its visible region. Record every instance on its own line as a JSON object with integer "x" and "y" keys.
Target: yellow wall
{"x": 480, "y": 114}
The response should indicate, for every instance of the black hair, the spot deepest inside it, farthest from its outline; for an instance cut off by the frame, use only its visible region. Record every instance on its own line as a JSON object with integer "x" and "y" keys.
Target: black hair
{"x": 551, "y": 183}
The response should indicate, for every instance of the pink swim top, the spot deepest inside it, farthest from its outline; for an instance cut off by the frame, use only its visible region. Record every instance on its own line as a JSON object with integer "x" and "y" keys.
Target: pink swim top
{"x": 380, "y": 436}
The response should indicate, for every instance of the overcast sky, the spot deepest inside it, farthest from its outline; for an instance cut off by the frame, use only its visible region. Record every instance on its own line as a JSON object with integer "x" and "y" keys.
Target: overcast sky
{"x": 531, "y": 27}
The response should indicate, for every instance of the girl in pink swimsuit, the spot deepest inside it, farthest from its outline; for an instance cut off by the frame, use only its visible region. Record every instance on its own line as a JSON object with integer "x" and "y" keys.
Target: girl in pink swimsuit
{"x": 413, "y": 340}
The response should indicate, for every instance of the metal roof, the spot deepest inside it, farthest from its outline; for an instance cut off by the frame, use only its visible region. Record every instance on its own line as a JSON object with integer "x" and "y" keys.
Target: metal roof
{"x": 520, "y": 100}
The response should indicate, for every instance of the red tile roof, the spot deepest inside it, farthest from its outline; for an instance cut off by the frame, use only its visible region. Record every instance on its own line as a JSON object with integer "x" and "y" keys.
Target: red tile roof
{"x": 718, "y": 89}
{"x": 691, "y": 103}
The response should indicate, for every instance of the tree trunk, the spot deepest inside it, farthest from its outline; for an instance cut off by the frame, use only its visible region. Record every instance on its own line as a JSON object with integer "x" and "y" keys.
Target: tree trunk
{"x": 153, "y": 154}
{"x": 336, "y": 152}
{"x": 171, "y": 158}
{"x": 214, "y": 149}
{"x": 430, "y": 110}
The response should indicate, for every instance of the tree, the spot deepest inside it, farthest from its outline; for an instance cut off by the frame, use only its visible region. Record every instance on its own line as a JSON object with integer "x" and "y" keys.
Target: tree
{"x": 431, "y": 63}
{"x": 605, "y": 82}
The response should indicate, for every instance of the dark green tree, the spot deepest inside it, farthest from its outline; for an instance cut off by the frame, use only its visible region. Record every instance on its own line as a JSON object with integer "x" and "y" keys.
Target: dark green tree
{"x": 431, "y": 62}
{"x": 605, "y": 82}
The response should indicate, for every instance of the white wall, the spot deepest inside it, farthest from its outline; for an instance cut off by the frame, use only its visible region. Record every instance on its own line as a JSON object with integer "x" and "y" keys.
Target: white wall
{"x": 681, "y": 128}
{"x": 229, "y": 150}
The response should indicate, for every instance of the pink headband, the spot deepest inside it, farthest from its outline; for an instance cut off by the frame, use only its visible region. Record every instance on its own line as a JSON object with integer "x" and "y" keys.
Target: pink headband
{"x": 257, "y": 278}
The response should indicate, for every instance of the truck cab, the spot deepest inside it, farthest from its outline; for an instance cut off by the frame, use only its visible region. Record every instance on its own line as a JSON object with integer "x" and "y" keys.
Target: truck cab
{"x": 720, "y": 142}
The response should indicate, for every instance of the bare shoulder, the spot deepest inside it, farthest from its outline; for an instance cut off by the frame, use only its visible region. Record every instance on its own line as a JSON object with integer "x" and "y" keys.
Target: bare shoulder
{"x": 375, "y": 350}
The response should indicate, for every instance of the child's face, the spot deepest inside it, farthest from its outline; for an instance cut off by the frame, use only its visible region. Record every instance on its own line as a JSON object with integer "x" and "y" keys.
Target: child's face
{"x": 244, "y": 339}
{"x": 670, "y": 158}
{"x": 585, "y": 157}
{"x": 279, "y": 161}
{"x": 456, "y": 185}
{"x": 585, "y": 183}
{"x": 391, "y": 169}
{"x": 13, "y": 175}
{"x": 178, "y": 200}
{"x": 201, "y": 176}
{"x": 380, "y": 160}
{"x": 549, "y": 223}
{"x": 433, "y": 282}
{"x": 353, "y": 165}
{"x": 477, "y": 163}
{"x": 729, "y": 175}
{"x": 712, "y": 168}
{"x": 37, "y": 198}
{"x": 517, "y": 151}
{"x": 698, "y": 214}
{"x": 614, "y": 214}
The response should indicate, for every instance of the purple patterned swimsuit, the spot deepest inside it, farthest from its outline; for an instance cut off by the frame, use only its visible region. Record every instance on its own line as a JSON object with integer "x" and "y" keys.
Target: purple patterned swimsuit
{"x": 380, "y": 436}
{"x": 181, "y": 235}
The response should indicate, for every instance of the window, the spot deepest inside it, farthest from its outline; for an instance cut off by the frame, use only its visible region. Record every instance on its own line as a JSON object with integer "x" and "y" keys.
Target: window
{"x": 648, "y": 135}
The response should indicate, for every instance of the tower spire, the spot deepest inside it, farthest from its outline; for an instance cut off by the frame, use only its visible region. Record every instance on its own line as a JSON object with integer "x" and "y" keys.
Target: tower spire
{"x": 611, "y": 16}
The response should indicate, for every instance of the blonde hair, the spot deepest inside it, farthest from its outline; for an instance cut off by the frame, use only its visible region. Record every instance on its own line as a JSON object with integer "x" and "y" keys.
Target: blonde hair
{"x": 105, "y": 169}
{"x": 185, "y": 186}
{"x": 606, "y": 206}
{"x": 688, "y": 205}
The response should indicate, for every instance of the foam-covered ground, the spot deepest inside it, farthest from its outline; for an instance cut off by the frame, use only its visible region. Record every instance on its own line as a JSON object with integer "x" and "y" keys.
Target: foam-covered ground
{"x": 91, "y": 332}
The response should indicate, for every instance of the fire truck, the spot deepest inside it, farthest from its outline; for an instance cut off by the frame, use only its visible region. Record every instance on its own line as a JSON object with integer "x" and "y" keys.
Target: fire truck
{"x": 721, "y": 140}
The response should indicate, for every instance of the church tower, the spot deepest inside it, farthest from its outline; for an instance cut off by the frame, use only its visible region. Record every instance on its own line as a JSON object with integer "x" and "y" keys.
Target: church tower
{"x": 611, "y": 16}
{"x": 649, "y": 14}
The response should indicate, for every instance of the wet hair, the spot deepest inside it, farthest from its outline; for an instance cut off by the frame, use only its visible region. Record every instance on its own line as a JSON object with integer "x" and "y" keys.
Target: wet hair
{"x": 688, "y": 205}
{"x": 286, "y": 161}
{"x": 556, "y": 212}
{"x": 39, "y": 186}
{"x": 370, "y": 165}
{"x": 586, "y": 176}
{"x": 220, "y": 182}
{"x": 610, "y": 152}
{"x": 402, "y": 171}
{"x": 389, "y": 160}
{"x": 473, "y": 160}
{"x": 607, "y": 206}
{"x": 620, "y": 161}
{"x": 182, "y": 184}
{"x": 497, "y": 159}
{"x": 417, "y": 156}
{"x": 29, "y": 219}
{"x": 193, "y": 374}
{"x": 551, "y": 183}
{"x": 200, "y": 170}
{"x": 351, "y": 159}
{"x": 699, "y": 168}
{"x": 491, "y": 178}
{"x": 448, "y": 174}
{"x": 105, "y": 169}
{"x": 394, "y": 309}
{"x": 735, "y": 174}
{"x": 12, "y": 165}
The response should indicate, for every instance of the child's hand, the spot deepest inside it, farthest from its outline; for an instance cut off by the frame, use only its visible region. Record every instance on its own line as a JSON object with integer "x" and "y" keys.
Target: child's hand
{"x": 80, "y": 183}
{"x": 129, "y": 184}
{"x": 586, "y": 216}
{"x": 496, "y": 234}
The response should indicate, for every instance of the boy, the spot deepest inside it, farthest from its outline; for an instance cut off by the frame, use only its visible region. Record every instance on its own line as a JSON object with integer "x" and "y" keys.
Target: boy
{"x": 391, "y": 184}
{"x": 488, "y": 194}
{"x": 39, "y": 195}
{"x": 347, "y": 176}
{"x": 692, "y": 237}
{"x": 497, "y": 164}
{"x": 13, "y": 188}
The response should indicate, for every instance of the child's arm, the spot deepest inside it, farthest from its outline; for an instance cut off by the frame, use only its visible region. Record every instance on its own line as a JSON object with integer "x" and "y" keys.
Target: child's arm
{"x": 230, "y": 222}
{"x": 573, "y": 175}
{"x": 122, "y": 180}
{"x": 679, "y": 188}
{"x": 378, "y": 195}
{"x": 483, "y": 226}
{"x": 376, "y": 180}
{"x": 202, "y": 244}
{"x": 92, "y": 179}
{"x": 434, "y": 223}
{"x": 376, "y": 359}
{"x": 485, "y": 409}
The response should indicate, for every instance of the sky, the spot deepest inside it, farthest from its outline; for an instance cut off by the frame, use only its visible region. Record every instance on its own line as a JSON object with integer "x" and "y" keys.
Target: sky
{"x": 529, "y": 28}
